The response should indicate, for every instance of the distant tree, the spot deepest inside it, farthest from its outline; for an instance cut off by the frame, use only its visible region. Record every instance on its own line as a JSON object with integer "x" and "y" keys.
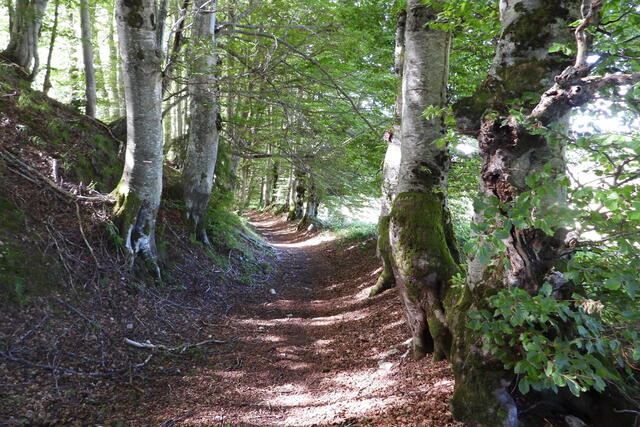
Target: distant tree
{"x": 202, "y": 149}
{"x": 86, "y": 35}
{"x": 390, "y": 169}
{"x": 46, "y": 86}
{"x": 26, "y": 21}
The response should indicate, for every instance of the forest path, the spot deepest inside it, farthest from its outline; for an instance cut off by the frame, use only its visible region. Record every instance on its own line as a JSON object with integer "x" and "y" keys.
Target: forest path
{"x": 312, "y": 349}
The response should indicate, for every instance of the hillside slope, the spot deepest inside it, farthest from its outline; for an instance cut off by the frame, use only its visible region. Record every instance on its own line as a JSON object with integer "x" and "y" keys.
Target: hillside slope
{"x": 68, "y": 292}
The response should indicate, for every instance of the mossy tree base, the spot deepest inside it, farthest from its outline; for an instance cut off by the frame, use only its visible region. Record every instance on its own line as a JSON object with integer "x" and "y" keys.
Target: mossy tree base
{"x": 136, "y": 222}
{"x": 423, "y": 267}
{"x": 480, "y": 396}
{"x": 386, "y": 280}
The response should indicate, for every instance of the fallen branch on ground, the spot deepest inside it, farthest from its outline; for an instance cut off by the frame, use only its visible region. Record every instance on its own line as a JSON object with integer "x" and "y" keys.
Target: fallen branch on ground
{"x": 182, "y": 348}
{"x": 30, "y": 173}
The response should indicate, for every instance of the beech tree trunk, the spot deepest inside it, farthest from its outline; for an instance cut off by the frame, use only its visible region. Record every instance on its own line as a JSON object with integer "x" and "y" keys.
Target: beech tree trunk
{"x": 390, "y": 171}
{"x": 423, "y": 248}
{"x": 510, "y": 155}
{"x": 202, "y": 149}
{"x": 299, "y": 189}
{"x": 54, "y": 34}
{"x": 87, "y": 56}
{"x": 138, "y": 193}
{"x": 116, "y": 103}
{"x": 26, "y": 21}
{"x": 311, "y": 204}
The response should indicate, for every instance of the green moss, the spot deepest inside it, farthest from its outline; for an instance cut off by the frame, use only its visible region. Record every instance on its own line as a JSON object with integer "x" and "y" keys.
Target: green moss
{"x": 423, "y": 260}
{"x": 422, "y": 247}
{"x": 477, "y": 375}
{"x": 386, "y": 279}
{"x": 126, "y": 209}
{"x": 526, "y": 30}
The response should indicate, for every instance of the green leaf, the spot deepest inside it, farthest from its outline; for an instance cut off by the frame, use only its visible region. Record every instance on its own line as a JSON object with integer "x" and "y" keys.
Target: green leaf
{"x": 574, "y": 388}
{"x": 523, "y": 386}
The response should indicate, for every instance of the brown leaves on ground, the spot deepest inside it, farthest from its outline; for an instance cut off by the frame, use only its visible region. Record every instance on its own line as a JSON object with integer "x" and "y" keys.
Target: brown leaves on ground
{"x": 305, "y": 348}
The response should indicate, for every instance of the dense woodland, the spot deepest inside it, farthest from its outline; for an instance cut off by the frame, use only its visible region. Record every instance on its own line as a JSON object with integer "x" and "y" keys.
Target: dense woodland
{"x": 497, "y": 142}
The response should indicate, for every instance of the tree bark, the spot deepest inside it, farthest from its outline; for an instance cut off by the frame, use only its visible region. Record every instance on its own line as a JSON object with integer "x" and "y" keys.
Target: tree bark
{"x": 87, "y": 56}
{"x": 422, "y": 244}
{"x": 114, "y": 71}
{"x": 138, "y": 193}
{"x": 390, "y": 171}
{"x": 511, "y": 154}
{"x": 26, "y": 21}
{"x": 101, "y": 85}
{"x": 54, "y": 33}
{"x": 296, "y": 207}
{"x": 202, "y": 150}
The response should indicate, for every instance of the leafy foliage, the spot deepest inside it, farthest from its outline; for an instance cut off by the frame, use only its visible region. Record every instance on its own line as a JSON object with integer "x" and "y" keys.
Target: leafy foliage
{"x": 552, "y": 343}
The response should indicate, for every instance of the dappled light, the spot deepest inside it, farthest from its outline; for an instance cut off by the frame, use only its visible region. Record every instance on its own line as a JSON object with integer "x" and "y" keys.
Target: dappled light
{"x": 316, "y": 352}
{"x": 320, "y": 213}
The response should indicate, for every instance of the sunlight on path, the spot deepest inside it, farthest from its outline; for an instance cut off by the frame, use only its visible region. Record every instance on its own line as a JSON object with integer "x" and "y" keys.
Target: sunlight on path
{"x": 316, "y": 350}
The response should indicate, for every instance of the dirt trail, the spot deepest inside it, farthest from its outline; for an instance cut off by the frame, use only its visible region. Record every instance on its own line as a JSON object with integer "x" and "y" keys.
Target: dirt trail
{"x": 307, "y": 347}
{"x": 314, "y": 351}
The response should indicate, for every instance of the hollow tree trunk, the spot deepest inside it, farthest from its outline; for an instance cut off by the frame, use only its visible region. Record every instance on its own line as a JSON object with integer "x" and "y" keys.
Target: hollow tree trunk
{"x": 420, "y": 234}
{"x": 202, "y": 149}
{"x": 510, "y": 155}
{"x": 390, "y": 170}
{"x": 26, "y": 21}
{"x": 87, "y": 56}
{"x": 138, "y": 193}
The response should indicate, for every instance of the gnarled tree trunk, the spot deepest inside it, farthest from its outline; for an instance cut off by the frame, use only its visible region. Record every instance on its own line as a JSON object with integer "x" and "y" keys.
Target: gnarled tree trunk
{"x": 202, "y": 150}
{"x": 422, "y": 243}
{"x": 511, "y": 154}
{"x": 26, "y": 21}
{"x": 138, "y": 193}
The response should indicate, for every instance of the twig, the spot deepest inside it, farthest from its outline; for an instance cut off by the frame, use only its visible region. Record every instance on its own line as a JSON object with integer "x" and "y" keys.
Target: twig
{"x": 36, "y": 174}
{"x": 29, "y": 332}
{"x": 84, "y": 237}
{"x": 16, "y": 359}
{"x": 79, "y": 313}
{"x": 183, "y": 348}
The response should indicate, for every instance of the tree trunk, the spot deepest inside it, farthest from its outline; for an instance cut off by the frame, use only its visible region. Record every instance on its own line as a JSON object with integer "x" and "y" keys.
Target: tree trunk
{"x": 511, "y": 155}
{"x": 87, "y": 56}
{"x": 26, "y": 21}
{"x": 202, "y": 150}
{"x": 273, "y": 197}
{"x": 311, "y": 205}
{"x": 101, "y": 86}
{"x": 390, "y": 170}
{"x": 296, "y": 208}
{"x": 138, "y": 193}
{"x": 422, "y": 243}
{"x": 54, "y": 33}
{"x": 116, "y": 103}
